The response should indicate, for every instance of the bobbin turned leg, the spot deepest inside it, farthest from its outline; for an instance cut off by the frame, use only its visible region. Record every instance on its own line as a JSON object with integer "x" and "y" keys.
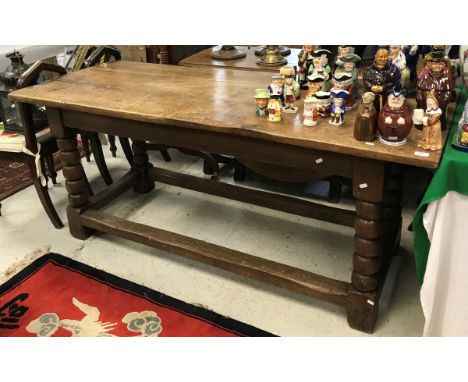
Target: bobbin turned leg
{"x": 366, "y": 278}
{"x": 362, "y": 305}
{"x": 392, "y": 211}
{"x": 75, "y": 177}
{"x": 142, "y": 165}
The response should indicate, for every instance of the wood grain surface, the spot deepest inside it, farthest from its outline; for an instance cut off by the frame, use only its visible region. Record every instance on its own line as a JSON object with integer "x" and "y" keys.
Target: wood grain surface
{"x": 210, "y": 99}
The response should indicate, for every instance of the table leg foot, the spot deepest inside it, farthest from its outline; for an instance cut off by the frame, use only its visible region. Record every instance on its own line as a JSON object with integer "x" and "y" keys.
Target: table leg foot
{"x": 77, "y": 230}
{"x": 362, "y": 310}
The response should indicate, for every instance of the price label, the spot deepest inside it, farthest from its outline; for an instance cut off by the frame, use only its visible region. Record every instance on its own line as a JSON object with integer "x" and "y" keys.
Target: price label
{"x": 421, "y": 154}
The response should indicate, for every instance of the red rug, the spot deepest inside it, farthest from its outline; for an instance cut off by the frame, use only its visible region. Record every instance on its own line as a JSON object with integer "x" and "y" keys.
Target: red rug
{"x": 58, "y": 296}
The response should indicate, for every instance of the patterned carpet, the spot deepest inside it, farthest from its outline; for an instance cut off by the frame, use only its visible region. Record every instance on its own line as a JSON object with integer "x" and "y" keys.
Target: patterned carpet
{"x": 14, "y": 176}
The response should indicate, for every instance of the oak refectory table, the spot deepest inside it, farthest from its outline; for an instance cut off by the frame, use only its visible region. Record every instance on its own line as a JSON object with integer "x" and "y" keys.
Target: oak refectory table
{"x": 213, "y": 110}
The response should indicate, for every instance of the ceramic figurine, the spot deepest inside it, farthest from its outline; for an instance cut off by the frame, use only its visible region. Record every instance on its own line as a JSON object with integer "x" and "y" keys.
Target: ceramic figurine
{"x": 463, "y": 57}
{"x": 261, "y": 97}
{"x": 418, "y": 116}
{"x": 435, "y": 75}
{"x": 315, "y": 84}
{"x": 310, "y": 112}
{"x": 338, "y": 108}
{"x": 460, "y": 138}
{"x": 304, "y": 61}
{"x": 365, "y": 124}
{"x": 350, "y": 62}
{"x": 398, "y": 59}
{"x": 276, "y": 87}
{"x": 381, "y": 77}
{"x": 431, "y": 137}
{"x": 274, "y": 109}
{"x": 343, "y": 50}
{"x": 344, "y": 81}
{"x": 394, "y": 121}
{"x": 323, "y": 103}
{"x": 320, "y": 66}
{"x": 349, "y": 65}
{"x": 412, "y": 54}
{"x": 291, "y": 89}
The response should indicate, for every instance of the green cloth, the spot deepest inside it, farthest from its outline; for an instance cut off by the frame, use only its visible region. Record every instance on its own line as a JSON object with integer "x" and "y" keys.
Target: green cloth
{"x": 451, "y": 175}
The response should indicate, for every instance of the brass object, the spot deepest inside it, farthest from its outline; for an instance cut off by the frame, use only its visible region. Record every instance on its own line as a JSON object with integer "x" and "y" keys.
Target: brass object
{"x": 226, "y": 52}
{"x": 272, "y": 57}
{"x": 284, "y": 50}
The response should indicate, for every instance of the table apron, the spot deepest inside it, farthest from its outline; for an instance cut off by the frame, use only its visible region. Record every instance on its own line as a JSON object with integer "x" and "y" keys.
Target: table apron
{"x": 256, "y": 149}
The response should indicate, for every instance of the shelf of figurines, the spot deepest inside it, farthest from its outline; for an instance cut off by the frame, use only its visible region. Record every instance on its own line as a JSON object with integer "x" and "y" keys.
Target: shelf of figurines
{"x": 324, "y": 94}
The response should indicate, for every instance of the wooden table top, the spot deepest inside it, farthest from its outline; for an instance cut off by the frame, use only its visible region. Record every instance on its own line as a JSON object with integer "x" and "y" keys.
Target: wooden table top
{"x": 249, "y": 62}
{"x": 208, "y": 99}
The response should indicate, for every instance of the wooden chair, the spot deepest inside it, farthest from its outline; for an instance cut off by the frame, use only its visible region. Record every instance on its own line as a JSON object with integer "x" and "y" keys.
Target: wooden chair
{"x": 103, "y": 54}
{"x": 36, "y": 149}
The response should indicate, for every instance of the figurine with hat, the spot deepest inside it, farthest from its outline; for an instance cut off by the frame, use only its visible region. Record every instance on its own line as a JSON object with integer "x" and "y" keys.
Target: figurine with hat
{"x": 310, "y": 112}
{"x": 291, "y": 89}
{"x": 276, "y": 87}
{"x": 344, "y": 81}
{"x": 365, "y": 123}
{"x": 398, "y": 59}
{"x": 343, "y": 50}
{"x": 304, "y": 60}
{"x": 436, "y": 74}
{"x": 431, "y": 137}
{"x": 412, "y": 54}
{"x": 350, "y": 62}
{"x": 323, "y": 103}
{"x": 381, "y": 77}
{"x": 320, "y": 66}
{"x": 316, "y": 82}
{"x": 338, "y": 108}
{"x": 395, "y": 121}
{"x": 261, "y": 98}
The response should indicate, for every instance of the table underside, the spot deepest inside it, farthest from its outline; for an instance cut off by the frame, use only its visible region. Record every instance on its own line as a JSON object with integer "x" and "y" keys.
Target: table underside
{"x": 377, "y": 188}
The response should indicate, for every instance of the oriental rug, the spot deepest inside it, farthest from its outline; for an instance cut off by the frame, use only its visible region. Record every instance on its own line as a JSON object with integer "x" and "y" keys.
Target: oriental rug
{"x": 58, "y": 296}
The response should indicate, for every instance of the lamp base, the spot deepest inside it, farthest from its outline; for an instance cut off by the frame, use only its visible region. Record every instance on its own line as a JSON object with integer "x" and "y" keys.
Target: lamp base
{"x": 283, "y": 50}
{"x": 227, "y": 52}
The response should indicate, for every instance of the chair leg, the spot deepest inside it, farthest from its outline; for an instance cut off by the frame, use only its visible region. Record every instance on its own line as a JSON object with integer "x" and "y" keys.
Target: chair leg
{"x": 44, "y": 196}
{"x": 334, "y": 193}
{"x": 127, "y": 149}
{"x": 113, "y": 147}
{"x": 165, "y": 155}
{"x": 86, "y": 147}
{"x": 0, "y": 209}
{"x": 239, "y": 171}
{"x": 51, "y": 168}
{"x": 207, "y": 169}
{"x": 99, "y": 157}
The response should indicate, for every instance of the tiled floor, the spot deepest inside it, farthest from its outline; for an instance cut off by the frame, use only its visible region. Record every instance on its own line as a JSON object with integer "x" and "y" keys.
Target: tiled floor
{"x": 316, "y": 246}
